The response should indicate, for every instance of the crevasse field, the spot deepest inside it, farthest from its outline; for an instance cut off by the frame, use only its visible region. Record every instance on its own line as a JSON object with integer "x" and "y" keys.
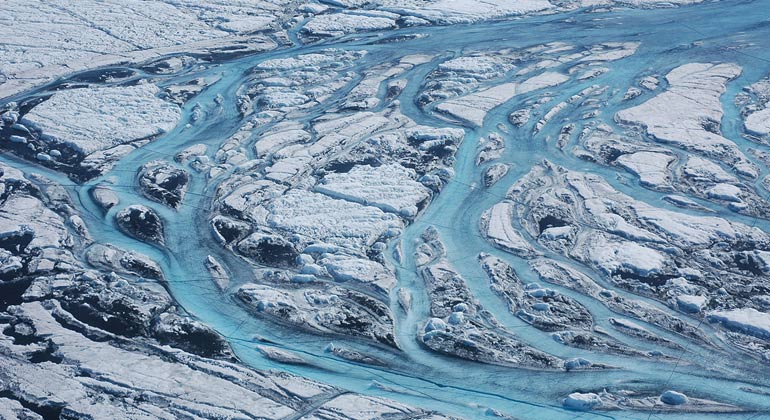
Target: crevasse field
{"x": 395, "y": 209}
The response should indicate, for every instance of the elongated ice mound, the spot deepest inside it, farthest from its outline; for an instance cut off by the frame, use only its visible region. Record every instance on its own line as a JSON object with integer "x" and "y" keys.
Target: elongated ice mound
{"x": 317, "y": 216}
{"x": 88, "y": 120}
{"x": 391, "y": 188}
{"x": 747, "y": 320}
{"x": 688, "y": 113}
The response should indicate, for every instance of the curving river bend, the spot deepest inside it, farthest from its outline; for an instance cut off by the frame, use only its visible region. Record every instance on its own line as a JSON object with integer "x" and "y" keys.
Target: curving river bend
{"x": 667, "y": 37}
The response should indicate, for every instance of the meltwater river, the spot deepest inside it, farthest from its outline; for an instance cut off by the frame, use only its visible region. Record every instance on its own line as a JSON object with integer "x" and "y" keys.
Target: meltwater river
{"x": 725, "y": 31}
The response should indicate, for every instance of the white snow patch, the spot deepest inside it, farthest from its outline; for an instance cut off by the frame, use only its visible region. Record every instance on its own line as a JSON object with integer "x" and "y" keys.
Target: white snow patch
{"x": 582, "y": 401}
{"x": 691, "y": 303}
{"x": 746, "y": 320}
{"x": 390, "y": 187}
{"x": 343, "y": 23}
{"x": 650, "y": 167}
{"x": 340, "y": 222}
{"x": 725, "y": 192}
{"x": 679, "y": 115}
{"x": 759, "y": 122}
{"x": 474, "y": 107}
{"x": 89, "y": 120}
{"x": 499, "y": 229}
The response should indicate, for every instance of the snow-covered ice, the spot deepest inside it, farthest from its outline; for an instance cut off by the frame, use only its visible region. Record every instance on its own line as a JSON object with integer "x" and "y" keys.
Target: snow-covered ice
{"x": 88, "y": 120}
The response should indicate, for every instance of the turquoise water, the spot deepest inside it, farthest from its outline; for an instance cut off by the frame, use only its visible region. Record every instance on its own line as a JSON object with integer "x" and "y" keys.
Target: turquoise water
{"x": 669, "y": 37}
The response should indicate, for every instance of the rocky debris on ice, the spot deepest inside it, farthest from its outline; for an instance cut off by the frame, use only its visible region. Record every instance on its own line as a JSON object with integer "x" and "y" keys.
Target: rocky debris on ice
{"x": 549, "y": 115}
{"x": 163, "y": 182}
{"x": 609, "y": 51}
{"x": 660, "y": 168}
{"x": 490, "y": 148}
{"x": 486, "y": 66}
{"x": 698, "y": 168}
{"x": 127, "y": 308}
{"x": 649, "y": 82}
{"x": 631, "y": 93}
{"x": 334, "y": 135}
{"x": 352, "y": 355}
{"x": 351, "y": 406}
{"x": 446, "y": 290}
{"x": 686, "y": 203}
{"x": 494, "y": 173}
{"x": 228, "y": 231}
{"x": 356, "y": 180}
{"x": 546, "y": 309}
{"x": 635, "y": 330}
{"x": 566, "y": 276}
{"x": 34, "y": 239}
{"x": 268, "y": 249}
{"x": 26, "y": 223}
{"x": 520, "y": 117}
{"x": 47, "y": 269}
{"x": 597, "y": 341}
{"x": 142, "y": 223}
{"x": 82, "y": 333}
{"x": 294, "y": 155}
{"x": 324, "y": 310}
{"x": 180, "y": 93}
{"x": 31, "y": 145}
{"x": 647, "y": 250}
{"x": 468, "y": 87}
{"x": 13, "y": 410}
{"x": 464, "y": 74}
{"x": 85, "y": 364}
{"x": 191, "y": 153}
{"x": 652, "y": 164}
{"x": 173, "y": 329}
{"x": 100, "y": 162}
{"x": 706, "y": 179}
{"x": 286, "y": 85}
{"x": 668, "y": 401}
{"x": 111, "y": 258}
{"x": 458, "y": 325}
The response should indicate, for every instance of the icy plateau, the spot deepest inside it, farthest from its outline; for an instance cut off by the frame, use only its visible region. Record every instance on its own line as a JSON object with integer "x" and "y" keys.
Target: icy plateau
{"x": 384, "y": 209}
